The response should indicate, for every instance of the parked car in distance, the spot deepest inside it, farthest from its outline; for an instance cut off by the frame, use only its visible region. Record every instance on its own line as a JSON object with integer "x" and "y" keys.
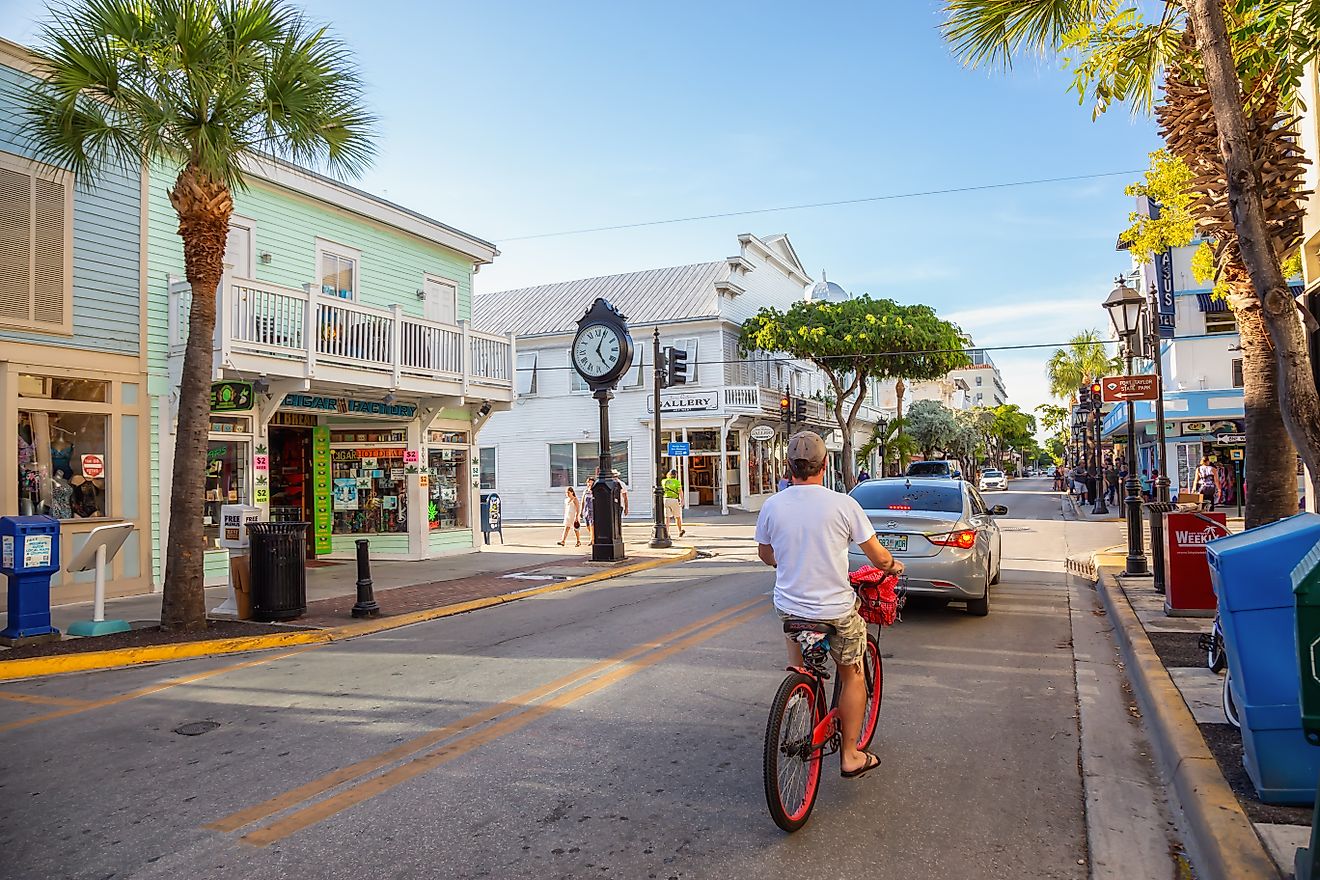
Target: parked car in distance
{"x": 993, "y": 479}
{"x": 938, "y": 468}
{"x": 943, "y": 533}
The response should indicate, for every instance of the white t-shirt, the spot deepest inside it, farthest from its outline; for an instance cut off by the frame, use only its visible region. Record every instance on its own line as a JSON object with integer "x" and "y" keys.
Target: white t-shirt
{"x": 810, "y": 528}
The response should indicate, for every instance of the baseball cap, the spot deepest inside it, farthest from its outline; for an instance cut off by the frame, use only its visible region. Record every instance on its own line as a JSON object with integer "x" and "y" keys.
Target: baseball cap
{"x": 806, "y": 446}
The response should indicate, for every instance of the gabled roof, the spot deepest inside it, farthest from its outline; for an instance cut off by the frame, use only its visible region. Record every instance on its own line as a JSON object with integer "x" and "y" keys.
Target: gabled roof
{"x": 647, "y": 297}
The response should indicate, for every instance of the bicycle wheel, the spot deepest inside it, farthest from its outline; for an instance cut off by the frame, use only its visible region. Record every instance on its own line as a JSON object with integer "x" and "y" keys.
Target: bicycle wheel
{"x": 873, "y": 669}
{"x": 1215, "y": 658}
{"x": 792, "y": 766}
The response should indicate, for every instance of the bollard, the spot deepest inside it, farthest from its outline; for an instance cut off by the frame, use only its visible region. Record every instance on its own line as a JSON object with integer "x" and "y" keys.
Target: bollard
{"x": 366, "y": 600}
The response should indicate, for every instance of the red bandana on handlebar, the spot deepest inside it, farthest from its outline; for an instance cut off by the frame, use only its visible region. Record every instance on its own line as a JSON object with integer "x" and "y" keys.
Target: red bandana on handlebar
{"x": 881, "y": 599}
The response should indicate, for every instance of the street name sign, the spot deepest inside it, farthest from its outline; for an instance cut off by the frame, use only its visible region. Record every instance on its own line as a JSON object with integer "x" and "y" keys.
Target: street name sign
{"x": 1231, "y": 438}
{"x": 1115, "y": 389}
{"x": 679, "y": 450}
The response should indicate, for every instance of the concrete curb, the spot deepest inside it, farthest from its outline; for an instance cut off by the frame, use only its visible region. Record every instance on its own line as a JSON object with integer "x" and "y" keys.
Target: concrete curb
{"x": 1223, "y": 843}
{"x": 38, "y": 667}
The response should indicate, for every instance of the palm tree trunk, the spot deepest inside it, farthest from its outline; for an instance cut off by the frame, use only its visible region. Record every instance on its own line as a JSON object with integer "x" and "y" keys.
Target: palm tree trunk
{"x": 1269, "y": 466}
{"x": 1299, "y": 401}
{"x": 204, "y": 207}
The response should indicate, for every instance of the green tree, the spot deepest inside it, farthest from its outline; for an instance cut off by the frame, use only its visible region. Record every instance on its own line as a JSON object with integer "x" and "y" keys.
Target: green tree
{"x": 1084, "y": 359}
{"x": 855, "y": 342}
{"x": 1010, "y": 429}
{"x": 891, "y": 445}
{"x": 198, "y": 88}
{"x": 1234, "y": 68}
{"x": 931, "y": 425}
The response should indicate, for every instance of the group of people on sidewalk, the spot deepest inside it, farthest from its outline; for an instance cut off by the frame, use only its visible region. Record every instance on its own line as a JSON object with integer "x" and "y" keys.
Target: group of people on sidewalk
{"x": 1086, "y": 484}
{"x": 579, "y": 509}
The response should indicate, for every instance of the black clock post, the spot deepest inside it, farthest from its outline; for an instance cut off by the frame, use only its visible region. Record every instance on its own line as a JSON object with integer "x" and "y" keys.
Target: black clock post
{"x": 604, "y": 332}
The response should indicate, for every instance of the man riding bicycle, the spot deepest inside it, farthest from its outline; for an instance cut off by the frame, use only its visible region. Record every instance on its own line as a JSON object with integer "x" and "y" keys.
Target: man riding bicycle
{"x": 803, "y": 533}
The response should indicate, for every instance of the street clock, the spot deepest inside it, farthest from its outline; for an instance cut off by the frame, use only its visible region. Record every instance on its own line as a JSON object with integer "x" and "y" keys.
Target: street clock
{"x": 602, "y": 348}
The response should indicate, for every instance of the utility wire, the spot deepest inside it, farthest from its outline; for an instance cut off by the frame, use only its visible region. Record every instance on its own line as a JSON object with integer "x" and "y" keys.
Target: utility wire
{"x": 835, "y": 204}
{"x": 846, "y": 357}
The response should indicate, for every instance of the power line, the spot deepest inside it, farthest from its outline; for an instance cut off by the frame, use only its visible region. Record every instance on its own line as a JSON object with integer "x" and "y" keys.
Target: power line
{"x": 835, "y": 204}
{"x": 967, "y": 351}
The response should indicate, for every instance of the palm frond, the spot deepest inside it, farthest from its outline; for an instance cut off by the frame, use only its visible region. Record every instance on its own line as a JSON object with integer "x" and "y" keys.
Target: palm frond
{"x": 990, "y": 31}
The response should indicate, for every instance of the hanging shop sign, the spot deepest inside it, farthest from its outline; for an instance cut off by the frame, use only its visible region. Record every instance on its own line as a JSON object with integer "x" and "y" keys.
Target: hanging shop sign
{"x": 688, "y": 401}
{"x": 231, "y": 396}
{"x": 349, "y": 406}
{"x": 294, "y": 420}
{"x": 761, "y": 432}
{"x": 322, "y": 489}
{"x": 1165, "y": 308}
{"x": 1196, "y": 427}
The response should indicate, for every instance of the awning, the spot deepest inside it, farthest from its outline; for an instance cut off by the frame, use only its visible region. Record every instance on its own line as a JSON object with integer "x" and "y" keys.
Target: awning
{"x": 1209, "y": 304}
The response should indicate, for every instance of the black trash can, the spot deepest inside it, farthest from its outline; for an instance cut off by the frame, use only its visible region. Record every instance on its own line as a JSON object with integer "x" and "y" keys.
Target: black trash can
{"x": 1155, "y": 511}
{"x": 278, "y": 554}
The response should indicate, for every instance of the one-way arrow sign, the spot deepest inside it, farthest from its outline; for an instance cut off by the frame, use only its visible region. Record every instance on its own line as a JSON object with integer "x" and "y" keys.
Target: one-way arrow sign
{"x": 1116, "y": 389}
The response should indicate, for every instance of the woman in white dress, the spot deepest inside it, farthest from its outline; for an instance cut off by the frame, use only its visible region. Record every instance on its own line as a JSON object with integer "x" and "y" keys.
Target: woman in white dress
{"x": 572, "y": 512}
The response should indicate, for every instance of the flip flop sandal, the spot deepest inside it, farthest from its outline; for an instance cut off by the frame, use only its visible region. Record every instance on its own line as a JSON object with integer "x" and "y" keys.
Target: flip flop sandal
{"x": 863, "y": 770}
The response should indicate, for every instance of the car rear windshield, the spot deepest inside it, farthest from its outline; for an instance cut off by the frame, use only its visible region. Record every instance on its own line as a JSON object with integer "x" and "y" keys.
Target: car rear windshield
{"x": 899, "y": 496}
{"x": 934, "y": 467}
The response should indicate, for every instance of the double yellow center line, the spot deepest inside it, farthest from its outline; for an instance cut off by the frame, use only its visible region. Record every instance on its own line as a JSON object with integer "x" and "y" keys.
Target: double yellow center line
{"x": 462, "y": 736}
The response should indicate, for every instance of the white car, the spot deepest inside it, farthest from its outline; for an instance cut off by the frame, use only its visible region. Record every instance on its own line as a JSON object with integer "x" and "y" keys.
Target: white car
{"x": 993, "y": 479}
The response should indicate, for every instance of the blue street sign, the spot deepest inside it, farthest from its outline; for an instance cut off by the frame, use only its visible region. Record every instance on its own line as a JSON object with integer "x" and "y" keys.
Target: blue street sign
{"x": 680, "y": 449}
{"x": 1165, "y": 308}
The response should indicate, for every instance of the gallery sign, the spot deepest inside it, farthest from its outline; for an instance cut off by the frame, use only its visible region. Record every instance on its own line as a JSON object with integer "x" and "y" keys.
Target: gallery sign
{"x": 685, "y": 401}
{"x": 349, "y": 406}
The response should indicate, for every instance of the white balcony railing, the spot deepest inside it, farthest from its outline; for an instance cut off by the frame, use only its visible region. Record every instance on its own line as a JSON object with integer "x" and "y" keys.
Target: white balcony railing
{"x": 389, "y": 348}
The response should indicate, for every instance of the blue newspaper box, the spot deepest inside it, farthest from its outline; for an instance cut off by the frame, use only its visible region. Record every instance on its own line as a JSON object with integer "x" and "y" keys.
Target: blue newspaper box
{"x": 1252, "y": 576}
{"x": 29, "y": 555}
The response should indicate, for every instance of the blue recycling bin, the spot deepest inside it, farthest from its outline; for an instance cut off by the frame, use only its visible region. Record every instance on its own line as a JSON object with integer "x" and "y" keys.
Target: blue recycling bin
{"x": 1252, "y": 576}
{"x": 29, "y": 555}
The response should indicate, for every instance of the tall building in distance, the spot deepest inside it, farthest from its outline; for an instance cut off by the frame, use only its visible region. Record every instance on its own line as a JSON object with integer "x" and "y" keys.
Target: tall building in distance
{"x": 985, "y": 385}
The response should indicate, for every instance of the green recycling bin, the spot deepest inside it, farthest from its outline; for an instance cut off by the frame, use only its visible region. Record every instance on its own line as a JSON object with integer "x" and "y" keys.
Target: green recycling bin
{"x": 1306, "y": 593}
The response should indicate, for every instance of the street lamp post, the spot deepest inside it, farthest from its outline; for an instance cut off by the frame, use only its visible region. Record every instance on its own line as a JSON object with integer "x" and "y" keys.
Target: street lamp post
{"x": 1125, "y": 305}
{"x": 1162, "y": 452}
{"x": 1099, "y": 508}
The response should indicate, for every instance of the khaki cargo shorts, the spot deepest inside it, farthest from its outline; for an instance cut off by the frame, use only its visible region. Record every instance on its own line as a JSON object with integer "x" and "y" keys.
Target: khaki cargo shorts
{"x": 673, "y": 508}
{"x": 848, "y": 643}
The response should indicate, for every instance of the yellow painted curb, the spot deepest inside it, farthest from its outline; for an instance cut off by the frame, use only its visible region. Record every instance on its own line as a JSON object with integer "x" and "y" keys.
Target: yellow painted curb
{"x": 36, "y": 667}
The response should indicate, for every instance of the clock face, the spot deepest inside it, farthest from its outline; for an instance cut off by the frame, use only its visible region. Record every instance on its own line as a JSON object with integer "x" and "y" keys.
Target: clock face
{"x": 597, "y": 350}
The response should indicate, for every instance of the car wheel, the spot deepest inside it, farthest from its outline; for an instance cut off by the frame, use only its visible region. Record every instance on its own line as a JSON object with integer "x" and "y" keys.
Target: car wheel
{"x": 998, "y": 571}
{"x": 981, "y": 607}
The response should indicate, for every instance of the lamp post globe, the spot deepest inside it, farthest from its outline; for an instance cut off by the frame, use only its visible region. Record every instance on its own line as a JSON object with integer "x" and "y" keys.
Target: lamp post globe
{"x": 1125, "y": 305}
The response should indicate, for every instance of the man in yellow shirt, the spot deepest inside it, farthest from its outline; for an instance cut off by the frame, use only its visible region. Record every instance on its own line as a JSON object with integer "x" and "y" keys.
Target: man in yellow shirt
{"x": 673, "y": 503}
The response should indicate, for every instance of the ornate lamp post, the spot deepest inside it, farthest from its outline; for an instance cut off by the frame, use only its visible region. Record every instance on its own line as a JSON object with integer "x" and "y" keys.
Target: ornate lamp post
{"x": 1162, "y": 454}
{"x": 1125, "y": 305}
{"x": 1099, "y": 508}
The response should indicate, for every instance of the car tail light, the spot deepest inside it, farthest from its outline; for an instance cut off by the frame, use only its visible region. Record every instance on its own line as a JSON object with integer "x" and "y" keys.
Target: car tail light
{"x": 964, "y": 539}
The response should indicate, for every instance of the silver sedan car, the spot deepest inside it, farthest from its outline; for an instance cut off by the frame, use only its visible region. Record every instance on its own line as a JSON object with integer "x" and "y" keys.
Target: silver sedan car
{"x": 943, "y": 533}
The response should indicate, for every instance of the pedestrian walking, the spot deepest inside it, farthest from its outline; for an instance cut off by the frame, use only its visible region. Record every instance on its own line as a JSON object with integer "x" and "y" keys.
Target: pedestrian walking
{"x": 572, "y": 512}
{"x": 863, "y": 475}
{"x": 784, "y": 482}
{"x": 673, "y": 502}
{"x": 588, "y": 505}
{"x": 1112, "y": 482}
{"x": 1058, "y": 478}
{"x": 1205, "y": 481}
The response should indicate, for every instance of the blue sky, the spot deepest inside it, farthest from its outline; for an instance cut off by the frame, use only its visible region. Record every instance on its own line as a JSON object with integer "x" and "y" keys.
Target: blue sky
{"x": 509, "y": 119}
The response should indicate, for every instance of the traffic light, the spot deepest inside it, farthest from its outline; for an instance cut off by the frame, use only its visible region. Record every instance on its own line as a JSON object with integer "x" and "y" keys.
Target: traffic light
{"x": 1097, "y": 398}
{"x": 677, "y": 366}
{"x": 800, "y": 410}
{"x": 786, "y": 408}
{"x": 1084, "y": 396}
{"x": 662, "y": 366}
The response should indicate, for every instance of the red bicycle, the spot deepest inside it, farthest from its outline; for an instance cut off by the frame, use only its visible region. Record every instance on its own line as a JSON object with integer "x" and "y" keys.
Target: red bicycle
{"x": 802, "y": 728}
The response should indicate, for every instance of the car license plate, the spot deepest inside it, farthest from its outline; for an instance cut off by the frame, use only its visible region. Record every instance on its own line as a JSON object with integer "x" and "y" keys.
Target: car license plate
{"x": 893, "y": 542}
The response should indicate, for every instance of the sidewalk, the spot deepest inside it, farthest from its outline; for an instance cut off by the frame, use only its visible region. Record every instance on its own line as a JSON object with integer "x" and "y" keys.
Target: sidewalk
{"x": 527, "y": 563}
{"x": 1231, "y": 830}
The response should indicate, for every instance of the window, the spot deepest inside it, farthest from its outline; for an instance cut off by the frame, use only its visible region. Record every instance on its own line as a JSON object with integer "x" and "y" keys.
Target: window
{"x": 575, "y": 380}
{"x": 1237, "y": 373}
{"x": 637, "y": 376}
{"x": 572, "y": 463}
{"x": 370, "y": 490}
{"x": 447, "y": 489}
{"x": 527, "y": 372}
{"x": 226, "y": 476}
{"x": 978, "y": 380}
{"x": 62, "y": 463}
{"x": 1220, "y": 322}
{"x": 337, "y": 269}
{"x": 900, "y": 496}
{"x": 486, "y": 467}
{"x": 441, "y": 300}
{"x": 36, "y": 207}
{"x": 689, "y": 345}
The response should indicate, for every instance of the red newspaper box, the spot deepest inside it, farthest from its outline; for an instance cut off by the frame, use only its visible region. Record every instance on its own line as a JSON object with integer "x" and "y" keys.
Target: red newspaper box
{"x": 1186, "y": 574}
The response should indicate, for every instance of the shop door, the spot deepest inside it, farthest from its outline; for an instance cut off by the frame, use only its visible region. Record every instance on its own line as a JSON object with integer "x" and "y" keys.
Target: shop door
{"x": 291, "y": 476}
{"x": 441, "y": 301}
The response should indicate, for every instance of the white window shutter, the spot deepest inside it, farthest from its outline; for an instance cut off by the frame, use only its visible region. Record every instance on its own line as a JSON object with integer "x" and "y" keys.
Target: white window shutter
{"x": 15, "y": 245}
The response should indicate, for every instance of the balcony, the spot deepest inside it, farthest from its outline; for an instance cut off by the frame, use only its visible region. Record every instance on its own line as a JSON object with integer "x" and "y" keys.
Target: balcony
{"x": 754, "y": 399}
{"x": 284, "y": 333}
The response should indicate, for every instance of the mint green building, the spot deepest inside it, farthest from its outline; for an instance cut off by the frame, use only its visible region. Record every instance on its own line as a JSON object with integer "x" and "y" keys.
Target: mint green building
{"x": 350, "y": 384}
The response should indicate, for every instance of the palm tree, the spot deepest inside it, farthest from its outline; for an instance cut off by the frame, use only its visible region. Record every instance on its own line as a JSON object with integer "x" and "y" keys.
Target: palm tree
{"x": 1084, "y": 359}
{"x": 198, "y": 88}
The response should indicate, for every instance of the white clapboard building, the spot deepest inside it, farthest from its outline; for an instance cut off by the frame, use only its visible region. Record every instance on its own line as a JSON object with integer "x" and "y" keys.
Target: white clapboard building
{"x": 728, "y": 413}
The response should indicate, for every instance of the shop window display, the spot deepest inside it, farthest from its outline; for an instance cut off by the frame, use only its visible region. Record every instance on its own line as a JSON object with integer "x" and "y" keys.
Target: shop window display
{"x": 62, "y": 464}
{"x": 226, "y": 482}
{"x": 370, "y": 488}
{"x": 447, "y": 489}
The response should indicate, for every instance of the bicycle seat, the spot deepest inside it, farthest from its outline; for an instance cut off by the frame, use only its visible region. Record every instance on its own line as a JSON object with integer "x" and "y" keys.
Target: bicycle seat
{"x": 797, "y": 625}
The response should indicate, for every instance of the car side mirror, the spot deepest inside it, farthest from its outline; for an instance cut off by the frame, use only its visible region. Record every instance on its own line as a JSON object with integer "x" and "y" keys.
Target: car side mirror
{"x": 999, "y": 510}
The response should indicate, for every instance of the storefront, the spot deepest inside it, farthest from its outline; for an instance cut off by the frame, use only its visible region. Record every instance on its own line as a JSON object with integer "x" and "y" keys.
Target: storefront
{"x": 74, "y": 449}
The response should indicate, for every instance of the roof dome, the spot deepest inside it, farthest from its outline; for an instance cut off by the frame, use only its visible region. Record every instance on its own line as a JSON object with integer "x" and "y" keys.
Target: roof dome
{"x": 827, "y": 291}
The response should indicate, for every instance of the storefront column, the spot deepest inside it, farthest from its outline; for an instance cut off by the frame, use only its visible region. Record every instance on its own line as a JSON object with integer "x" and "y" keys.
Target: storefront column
{"x": 418, "y": 527}
{"x": 724, "y": 466}
{"x": 687, "y": 477}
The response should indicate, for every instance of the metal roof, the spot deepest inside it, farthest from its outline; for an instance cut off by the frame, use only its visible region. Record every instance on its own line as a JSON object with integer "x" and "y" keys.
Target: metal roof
{"x": 648, "y": 297}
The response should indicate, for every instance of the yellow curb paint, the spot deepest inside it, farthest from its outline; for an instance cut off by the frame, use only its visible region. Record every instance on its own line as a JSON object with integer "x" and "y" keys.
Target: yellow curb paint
{"x": 36, "y": 667}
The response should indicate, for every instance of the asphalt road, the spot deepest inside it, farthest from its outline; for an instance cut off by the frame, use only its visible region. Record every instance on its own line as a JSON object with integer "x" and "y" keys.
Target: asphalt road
{"x": 612, "y": 731}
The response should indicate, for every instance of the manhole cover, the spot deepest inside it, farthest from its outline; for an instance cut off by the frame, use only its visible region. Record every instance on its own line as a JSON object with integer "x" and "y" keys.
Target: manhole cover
{"x": 196, "y": 728}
